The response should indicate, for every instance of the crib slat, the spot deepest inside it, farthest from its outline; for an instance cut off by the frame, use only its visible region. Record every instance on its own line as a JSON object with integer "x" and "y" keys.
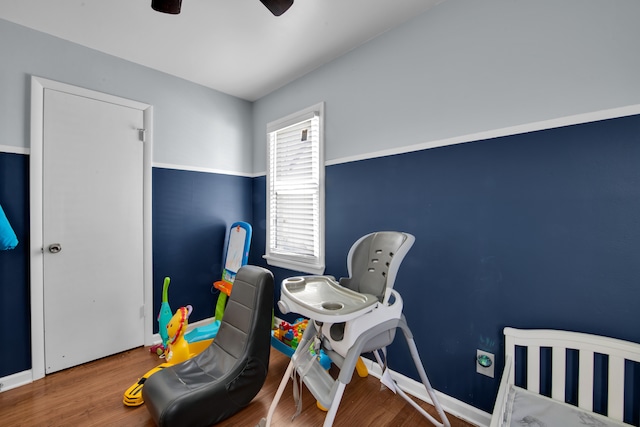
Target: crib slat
{"x": 563, "y": 345}
{"x": 510, "y": 354}
{"x": 558, "y": 373}
{"x": 585, "y": 380}
{"x": 615, "y": 409}
{"x": 533, "y": 368}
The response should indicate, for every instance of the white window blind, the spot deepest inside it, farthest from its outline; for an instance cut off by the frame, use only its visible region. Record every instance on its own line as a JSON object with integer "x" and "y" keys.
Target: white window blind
{"x": 295, "y": 194}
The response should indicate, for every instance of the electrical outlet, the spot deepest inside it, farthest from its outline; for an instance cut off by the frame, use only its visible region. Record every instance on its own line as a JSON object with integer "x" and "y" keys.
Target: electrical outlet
{"x": 485, "y": 363}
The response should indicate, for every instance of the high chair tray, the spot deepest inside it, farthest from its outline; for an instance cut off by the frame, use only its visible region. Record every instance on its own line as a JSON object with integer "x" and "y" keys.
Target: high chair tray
{"x": 321, "y": 298}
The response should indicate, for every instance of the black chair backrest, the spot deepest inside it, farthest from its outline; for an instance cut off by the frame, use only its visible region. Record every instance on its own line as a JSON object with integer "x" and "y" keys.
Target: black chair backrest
{"x": 245, "y": 329}
{"x": 228, "y": 374}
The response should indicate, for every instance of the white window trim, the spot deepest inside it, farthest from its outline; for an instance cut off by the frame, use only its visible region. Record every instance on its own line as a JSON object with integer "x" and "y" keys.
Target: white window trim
{"x": 298, "y": 263}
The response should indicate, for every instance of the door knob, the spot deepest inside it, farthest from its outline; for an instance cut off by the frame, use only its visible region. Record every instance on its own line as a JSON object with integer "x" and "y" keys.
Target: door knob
{"x": 55, "y": 248}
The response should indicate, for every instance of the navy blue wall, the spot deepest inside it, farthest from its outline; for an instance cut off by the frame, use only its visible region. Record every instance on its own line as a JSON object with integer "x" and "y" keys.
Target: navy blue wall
{"x": 192, "y": 213}
{"x": 14, "y": 266}
{"x": 538, "y": 230}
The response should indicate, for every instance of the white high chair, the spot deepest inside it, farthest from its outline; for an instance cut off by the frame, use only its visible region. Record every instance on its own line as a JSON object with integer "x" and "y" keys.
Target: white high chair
{"x": 356, "y": 315}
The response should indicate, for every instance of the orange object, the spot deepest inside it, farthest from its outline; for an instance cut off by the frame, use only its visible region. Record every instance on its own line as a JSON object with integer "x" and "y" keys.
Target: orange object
{"x": 223, "y": 286}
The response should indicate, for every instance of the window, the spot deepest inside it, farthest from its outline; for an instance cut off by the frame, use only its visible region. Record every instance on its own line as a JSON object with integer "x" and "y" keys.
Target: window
{"x": 295, "y": 191}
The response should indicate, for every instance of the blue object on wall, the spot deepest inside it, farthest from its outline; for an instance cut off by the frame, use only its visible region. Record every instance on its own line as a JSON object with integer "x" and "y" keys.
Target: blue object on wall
{"x": 8, "y": 239}
{"x": 14, "y": 266}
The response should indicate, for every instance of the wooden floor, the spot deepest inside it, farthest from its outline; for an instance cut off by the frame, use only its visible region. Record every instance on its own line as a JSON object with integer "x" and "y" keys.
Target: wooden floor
{"x": 91, "y": 395}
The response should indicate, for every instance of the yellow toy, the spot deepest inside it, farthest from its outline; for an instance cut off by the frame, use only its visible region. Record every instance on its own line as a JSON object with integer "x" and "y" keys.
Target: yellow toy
{"x": 177, "y": 346}
{"x": 178, "y": 350}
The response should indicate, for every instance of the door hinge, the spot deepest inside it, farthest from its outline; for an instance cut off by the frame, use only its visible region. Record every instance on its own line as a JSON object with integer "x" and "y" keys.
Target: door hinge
{"x": 142, "y": 311}
{"x": 142, "y": 134}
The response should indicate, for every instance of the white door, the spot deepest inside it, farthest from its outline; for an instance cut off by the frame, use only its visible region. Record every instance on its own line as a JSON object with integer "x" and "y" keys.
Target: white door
{"x": 92, "y": 229}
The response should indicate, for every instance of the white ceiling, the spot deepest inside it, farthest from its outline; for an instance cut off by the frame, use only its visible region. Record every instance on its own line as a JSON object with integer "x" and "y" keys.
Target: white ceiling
{"x": 234, "y": 46}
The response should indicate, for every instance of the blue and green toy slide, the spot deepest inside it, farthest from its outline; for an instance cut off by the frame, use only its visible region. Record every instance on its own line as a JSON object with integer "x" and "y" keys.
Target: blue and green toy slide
{"x": 164, "y": 316}
{"x": 236, "y": 256}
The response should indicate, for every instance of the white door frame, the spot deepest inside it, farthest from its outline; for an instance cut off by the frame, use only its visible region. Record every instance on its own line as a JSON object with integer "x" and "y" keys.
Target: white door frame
{"x": 38, "y": 86}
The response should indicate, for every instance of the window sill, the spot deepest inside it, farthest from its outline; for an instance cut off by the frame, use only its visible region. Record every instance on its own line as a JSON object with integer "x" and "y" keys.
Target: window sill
{"x": 294, "y": 265}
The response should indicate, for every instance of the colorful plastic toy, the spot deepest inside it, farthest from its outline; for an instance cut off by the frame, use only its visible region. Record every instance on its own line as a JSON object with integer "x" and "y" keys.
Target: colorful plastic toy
{"x": 177, "y": 346}
{"x": 286, "y": 337}
{"x": 8, "y": 239}
{"x": 177, "y": 351}
{"x": 164, "y": 316}
{"x": 237, "y": 255}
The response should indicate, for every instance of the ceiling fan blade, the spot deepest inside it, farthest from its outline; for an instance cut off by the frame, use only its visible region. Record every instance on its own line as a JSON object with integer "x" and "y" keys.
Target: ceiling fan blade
{"x": 167, "y": 6}
{"x": 277, "y": 7}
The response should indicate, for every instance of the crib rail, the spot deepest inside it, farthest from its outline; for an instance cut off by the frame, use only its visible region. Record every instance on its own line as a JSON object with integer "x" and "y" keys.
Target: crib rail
{"x": 587, "y": 346}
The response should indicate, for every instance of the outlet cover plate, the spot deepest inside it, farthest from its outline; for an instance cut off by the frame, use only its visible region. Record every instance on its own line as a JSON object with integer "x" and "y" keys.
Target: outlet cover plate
{"x": 485, "y": 370}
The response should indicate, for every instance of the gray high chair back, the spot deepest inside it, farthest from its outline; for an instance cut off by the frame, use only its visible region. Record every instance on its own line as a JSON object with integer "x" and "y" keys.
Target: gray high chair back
{"x": 373, "y": 262}
{"x": 358, "y": 314}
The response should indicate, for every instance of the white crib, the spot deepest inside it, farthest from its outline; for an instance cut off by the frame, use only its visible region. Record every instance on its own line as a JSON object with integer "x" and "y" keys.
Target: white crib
{"x": 517, "y": 406}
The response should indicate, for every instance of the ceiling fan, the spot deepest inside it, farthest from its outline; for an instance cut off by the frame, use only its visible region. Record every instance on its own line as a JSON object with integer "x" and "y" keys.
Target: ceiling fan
{"x": 277, "y": 7}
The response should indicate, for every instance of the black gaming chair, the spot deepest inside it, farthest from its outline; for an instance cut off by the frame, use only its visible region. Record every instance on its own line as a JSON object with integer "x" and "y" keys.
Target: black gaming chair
{"x": 228, "y": 374}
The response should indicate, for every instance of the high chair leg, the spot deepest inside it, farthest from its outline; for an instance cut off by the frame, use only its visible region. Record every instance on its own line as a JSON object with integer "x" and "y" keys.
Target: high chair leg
{"x": 423, "y": 376}
{"x": 331, "y": 414}
{"x": 413, "y": 349}
{"x": 266, "y": 422}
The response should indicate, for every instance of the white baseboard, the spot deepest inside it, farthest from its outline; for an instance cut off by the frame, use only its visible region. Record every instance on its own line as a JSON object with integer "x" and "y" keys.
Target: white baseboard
{"x": 451, "y": 405}
{"x": 16, "y": 380}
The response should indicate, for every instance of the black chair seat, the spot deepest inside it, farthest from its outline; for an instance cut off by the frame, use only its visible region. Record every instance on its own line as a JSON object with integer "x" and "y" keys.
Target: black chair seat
{"x": 228, "y": 374}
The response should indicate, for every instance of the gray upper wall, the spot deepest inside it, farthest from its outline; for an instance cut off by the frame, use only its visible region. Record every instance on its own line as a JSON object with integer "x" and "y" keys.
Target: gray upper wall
{"x": 469, "y": 66}
{"x": 194, "y": 126}
{"x": 464, "y": 67}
